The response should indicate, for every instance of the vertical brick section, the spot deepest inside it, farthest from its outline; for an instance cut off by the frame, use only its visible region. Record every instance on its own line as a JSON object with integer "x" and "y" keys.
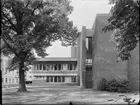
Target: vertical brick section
{"x": 133, "y": 69}
{"x": 104, "y": 56}
{"x": 82, "y": 56}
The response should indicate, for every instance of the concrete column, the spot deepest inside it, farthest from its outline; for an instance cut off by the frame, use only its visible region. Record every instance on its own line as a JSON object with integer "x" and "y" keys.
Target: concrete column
{"x": 82, "y": 56}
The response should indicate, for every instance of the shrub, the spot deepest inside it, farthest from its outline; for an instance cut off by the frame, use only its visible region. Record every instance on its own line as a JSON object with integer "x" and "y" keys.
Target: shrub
{"x": 114, "y": 85}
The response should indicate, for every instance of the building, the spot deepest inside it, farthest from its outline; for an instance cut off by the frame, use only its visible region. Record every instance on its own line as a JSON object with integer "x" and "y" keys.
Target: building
{"x": 9, "y": 78}
{"x": 97, "y": 58}
{"x": 55, "y": 71}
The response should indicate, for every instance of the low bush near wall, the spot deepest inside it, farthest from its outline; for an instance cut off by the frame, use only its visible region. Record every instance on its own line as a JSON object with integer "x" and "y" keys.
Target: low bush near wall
{"x": 114, "y": 85}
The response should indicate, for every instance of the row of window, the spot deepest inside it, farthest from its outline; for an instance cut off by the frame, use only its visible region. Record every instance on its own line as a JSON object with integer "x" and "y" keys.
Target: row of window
{"x": 58, "y": 78}
{"x": 55, "y": 67}
{"x": 9, "y": 80}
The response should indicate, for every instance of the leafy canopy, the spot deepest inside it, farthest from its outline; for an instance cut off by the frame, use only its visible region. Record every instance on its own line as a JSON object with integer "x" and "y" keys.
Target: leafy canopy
{"x": 29, "y": 25}
{"x": 124, "y": 22}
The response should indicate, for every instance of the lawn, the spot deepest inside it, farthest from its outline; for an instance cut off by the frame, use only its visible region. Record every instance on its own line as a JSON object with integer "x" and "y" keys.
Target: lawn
{"x": 63, "y": 95}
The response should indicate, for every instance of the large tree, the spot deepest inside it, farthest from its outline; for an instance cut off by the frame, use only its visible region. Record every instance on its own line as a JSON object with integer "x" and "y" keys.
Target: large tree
{"x": 124, "y": 22}
{"x": 29, "y": 25}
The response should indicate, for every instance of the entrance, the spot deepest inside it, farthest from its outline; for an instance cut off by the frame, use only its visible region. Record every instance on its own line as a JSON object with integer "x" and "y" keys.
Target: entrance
{"x": 88, "y": 76}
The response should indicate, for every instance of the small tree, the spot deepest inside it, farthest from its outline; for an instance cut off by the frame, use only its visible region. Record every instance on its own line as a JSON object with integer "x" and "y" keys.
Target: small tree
{"x": 29, "y": 25}
{"x": 124, "y": 22}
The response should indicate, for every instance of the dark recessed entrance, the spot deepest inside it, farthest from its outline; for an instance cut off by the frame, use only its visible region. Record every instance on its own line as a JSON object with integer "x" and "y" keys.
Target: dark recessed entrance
{"x": 88, "y": 76}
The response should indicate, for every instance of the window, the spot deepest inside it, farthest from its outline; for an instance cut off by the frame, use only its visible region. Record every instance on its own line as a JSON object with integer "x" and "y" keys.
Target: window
{"x": 48, "y": 67}
{"x": 13, "y": 80}
{"x": 73, "y": 79}
{"x": 9, "y": 80}
{"x": 74, "y": 68}
{"x": 51, "y": 67}
{"x": 59, "y": 79}
{"x": 17, "y": 80}
{"x": 40, "y": 67}
{"x": 6, "y": 80}
{"x": 51, "y": 79}
{"x": 59, "y": 66}
{"x": 55, "y": 67}
{"x": 69, "y": 66}
{"x": 44, "y": 67}
{"x": 55, "y": 79}
{"x": 63, "y": 78}
{"x": 47, "y": 79}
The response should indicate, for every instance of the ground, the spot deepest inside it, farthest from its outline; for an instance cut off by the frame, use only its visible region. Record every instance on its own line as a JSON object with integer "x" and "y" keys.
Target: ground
{"x": 63, "y": 95}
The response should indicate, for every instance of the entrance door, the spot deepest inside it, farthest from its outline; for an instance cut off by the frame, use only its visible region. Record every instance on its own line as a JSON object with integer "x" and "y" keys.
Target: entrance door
{"x": 88, "y": 76}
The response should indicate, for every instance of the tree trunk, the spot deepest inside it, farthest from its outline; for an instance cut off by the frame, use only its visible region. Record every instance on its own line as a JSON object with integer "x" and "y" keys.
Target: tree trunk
{"x": 22, "y": 87}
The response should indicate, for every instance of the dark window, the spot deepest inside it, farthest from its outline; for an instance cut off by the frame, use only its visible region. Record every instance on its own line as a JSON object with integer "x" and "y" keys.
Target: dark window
{"x": 63, "y": 78}
{"x": 51, "y": 79}
{"x": 47, "y": 79}
{"x": 44, "y": 67}
{"x": 55, "y": 67}
{"x": 69, "y": 66}
{"x": 59, "y": 66}
{"x": 73, "y": 78}
{"x": 59, "y": 79}
{"x": 55, "y": 79}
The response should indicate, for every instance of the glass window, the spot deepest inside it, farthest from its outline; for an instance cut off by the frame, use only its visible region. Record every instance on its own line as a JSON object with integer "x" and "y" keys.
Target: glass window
{"x": 40, "y": 67}
{"x": 59, "y": 79}
{"x": 59, "y": 66}
{"x": 74, "y": 67}
{"x": 55, "y": 79}
{"x": 51, "y": 79}
{"x": 5, "y": 80}
{"x": 73, "y": 79}
{"x": 63, "y": 78}
{"x": 51, "y": 67}
{"x": 69, "y": 66}
{"x": 13, "y": 80}
{"x": 9, "y": 80}
{"x": 55, "y": 67}
{"x": 47, "y": 79}
{"x": 48, "y": 67}
{"x": 44, "y": 67}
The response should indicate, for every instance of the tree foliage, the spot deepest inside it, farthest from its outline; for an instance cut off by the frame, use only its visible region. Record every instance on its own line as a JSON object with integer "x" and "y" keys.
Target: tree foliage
{"x": 124, "y": 22}
{"x": 29, "y": 25}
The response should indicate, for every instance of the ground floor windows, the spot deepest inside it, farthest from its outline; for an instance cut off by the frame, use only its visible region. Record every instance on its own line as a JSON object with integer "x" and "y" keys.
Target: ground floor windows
{"x": 58, "y": 79}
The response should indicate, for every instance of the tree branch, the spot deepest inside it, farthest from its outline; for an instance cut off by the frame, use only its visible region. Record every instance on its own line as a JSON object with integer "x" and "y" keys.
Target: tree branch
{"x": 9, "y": 21}
{"x": 10, "y": 47}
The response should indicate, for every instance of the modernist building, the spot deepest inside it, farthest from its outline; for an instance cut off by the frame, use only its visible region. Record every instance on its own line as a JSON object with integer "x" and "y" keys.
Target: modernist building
{"x": 97, "y": 58}
{"x": 55, "y": 71}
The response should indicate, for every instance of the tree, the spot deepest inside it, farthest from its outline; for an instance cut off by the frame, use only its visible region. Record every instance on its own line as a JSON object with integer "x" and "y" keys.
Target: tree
{"x": 29, "y": 25}
{"x": 124, "y": 22}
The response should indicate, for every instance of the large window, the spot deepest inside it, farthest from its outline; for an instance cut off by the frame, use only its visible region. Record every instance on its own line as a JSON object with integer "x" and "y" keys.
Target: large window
{"x": 63, "y": 78}
{"x": 48, "y": 67}
{"x": 73, "y": 78}
{"x": 69, "y": 66}
{"x": 74, "y": 67}
{"x": 44, "y": 67}
{"x": 55, "y": 79}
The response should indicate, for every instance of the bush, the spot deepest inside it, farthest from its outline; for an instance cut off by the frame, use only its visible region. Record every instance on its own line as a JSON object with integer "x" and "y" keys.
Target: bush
{"x": 114, "y": 85}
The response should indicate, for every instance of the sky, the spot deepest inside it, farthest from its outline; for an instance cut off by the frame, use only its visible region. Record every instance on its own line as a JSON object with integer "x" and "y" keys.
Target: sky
{"x": 84, "y": 14}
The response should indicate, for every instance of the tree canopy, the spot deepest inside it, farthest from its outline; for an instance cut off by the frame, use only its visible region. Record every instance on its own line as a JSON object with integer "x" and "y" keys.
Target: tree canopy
{"x": 29, "y": 25}
{"x": 124, "y": 22}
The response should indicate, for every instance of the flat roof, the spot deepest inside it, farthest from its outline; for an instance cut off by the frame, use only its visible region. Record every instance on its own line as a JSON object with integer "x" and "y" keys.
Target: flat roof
{"x": 56, "y": 59}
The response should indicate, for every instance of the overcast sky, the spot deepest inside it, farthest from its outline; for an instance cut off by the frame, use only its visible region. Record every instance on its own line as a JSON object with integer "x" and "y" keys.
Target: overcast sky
{"x": 84, "y": 14}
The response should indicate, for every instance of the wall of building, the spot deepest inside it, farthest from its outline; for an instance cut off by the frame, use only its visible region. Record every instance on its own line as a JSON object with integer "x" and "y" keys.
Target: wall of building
{"x": 104, "y": 56}
{"x": 9, "y": 78}
{"x": 55, "y": 72}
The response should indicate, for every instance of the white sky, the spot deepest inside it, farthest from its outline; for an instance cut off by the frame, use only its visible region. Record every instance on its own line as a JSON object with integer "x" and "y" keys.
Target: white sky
{"x": 83, "y": 15}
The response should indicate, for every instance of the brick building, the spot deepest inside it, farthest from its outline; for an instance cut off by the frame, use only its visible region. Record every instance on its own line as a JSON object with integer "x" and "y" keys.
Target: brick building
{"x": 97, "y": 58}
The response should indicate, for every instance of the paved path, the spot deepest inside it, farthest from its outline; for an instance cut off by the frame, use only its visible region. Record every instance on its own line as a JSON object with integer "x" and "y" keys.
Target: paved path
{"x": 63, "y": 95}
